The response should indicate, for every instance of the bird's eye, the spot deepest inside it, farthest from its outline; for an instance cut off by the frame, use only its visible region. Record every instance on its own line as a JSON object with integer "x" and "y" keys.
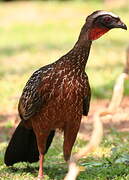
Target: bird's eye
{"x": 107, "y": 19}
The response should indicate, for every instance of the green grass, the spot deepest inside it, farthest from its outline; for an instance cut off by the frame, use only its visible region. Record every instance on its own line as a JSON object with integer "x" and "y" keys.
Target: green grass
{"x": 109, "y": 162}
{"x": 33, "y": 34}
{"x": 46, "y": 31}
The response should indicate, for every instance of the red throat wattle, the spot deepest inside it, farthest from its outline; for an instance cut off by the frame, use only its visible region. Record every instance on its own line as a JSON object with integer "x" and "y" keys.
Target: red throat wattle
{"x": 96, "y": 32}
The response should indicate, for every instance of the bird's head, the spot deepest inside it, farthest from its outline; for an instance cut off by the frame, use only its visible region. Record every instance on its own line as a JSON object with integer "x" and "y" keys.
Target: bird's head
{"x": 100, "y": 22}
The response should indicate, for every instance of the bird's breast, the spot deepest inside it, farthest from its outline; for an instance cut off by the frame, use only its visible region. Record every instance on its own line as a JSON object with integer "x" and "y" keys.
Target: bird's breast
{"x": 68, "y": 88}
{"x": 64, "y": 100}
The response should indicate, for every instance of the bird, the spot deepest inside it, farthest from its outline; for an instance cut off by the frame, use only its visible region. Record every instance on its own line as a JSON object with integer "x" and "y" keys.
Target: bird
{"x": 56, "y": 97}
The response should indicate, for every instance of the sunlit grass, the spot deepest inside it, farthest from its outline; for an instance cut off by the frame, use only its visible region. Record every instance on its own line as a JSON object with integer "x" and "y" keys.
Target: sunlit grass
{"x": 35, "y": 33}
{"x": 109, "y": 161}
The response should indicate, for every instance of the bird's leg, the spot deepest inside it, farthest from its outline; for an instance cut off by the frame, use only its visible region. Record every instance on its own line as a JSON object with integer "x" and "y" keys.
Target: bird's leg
{"x": 41, "y": 142}
{"x": 40, "y": 174}
{"x": 41, "y": 137}
{"x": 70, "y": 134}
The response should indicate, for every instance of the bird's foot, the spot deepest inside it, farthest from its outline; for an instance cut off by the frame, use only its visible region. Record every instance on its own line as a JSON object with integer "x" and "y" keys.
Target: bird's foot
{"x": 40, "y": 178}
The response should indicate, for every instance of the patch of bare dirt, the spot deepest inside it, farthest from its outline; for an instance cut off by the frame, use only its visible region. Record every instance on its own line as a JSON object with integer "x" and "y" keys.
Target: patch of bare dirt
{"x": 119, "y": 120}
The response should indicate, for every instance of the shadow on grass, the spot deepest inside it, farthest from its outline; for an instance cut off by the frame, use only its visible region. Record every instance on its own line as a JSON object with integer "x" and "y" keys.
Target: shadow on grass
{"x": 17, "y": 172}
{"x": 56, "y": 172}
{"x": 115, "y": 165}
{"x": 103, "y": 168}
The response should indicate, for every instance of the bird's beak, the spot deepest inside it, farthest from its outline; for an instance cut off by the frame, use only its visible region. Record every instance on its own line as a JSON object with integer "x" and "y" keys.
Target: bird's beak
{"x": 119, "y": 24}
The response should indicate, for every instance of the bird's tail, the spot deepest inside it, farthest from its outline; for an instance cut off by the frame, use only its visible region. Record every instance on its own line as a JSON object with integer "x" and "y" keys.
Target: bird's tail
{"x": 23, "y": 146}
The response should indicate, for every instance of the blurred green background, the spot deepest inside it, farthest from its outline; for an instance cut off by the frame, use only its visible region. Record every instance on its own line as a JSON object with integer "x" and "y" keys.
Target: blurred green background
{"x": 35, "y": 33}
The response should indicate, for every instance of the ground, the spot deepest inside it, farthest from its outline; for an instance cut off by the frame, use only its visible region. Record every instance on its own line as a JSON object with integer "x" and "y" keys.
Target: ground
{"x": 110, "y": 153}
{"x": 119, "y": 120}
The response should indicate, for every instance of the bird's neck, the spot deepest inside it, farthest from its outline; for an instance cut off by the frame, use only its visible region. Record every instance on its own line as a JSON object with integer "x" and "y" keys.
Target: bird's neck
{"x": 80, "y": 53}
{"x": 78, "y": 56}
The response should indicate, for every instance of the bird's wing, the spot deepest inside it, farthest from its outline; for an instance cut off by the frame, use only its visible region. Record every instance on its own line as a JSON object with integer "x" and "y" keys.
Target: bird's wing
{"x": 31, "y": 99}
{"x": 87, "y": 98}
